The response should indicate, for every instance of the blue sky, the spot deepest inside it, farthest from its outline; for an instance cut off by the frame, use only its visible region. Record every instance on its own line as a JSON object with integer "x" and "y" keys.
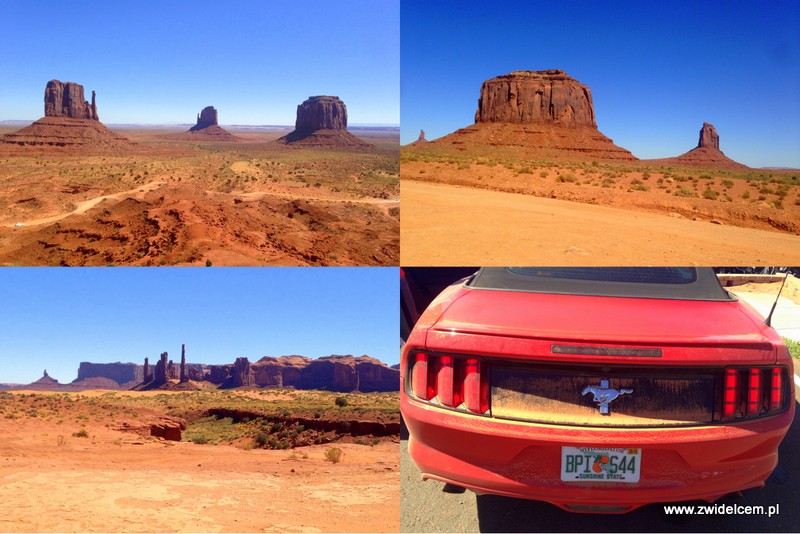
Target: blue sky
{"x": 657, "y": 70}
{"x": 54, "y": 318}
{"x": 162, "y": 62}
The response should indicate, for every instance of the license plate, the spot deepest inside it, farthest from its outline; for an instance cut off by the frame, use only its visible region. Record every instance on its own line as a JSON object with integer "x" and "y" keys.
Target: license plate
{"x": 585, "y": 464}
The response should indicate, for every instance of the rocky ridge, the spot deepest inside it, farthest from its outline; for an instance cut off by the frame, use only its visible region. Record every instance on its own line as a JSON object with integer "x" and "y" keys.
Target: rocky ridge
{"x": 342, "y": 373}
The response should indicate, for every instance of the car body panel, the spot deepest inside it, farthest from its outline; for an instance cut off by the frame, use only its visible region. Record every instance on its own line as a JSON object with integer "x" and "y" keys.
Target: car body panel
{"x": 522, "y": 458}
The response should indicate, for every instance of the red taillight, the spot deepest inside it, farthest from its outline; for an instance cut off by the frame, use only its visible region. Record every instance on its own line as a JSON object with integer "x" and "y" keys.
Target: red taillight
{"x": 455, "y": 382}
{"x": 447, "y": 387}
{"x": 731, "y": 399}
{"x": 776, "y": 390}
{"x": 476, "y": 386}
{"x": 421, "y": 383}
{"x": 754, "y": 392}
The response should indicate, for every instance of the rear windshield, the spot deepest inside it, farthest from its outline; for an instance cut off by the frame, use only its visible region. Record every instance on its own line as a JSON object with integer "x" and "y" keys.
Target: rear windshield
{"x": 684, "y": 283}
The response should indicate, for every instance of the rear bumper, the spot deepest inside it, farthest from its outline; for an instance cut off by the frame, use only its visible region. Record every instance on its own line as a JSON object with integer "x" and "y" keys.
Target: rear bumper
{"x": 520, "y": 459}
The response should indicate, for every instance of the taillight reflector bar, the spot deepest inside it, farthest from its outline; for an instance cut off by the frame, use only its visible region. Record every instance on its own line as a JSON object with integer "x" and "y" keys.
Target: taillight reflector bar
{"x": 753, "y": 392}
{"x": 461, "y": 383}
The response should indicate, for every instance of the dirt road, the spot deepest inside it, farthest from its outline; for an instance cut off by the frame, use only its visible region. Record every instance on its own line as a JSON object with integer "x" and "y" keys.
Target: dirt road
{"x": 451, "y": 225}
{"x": 86, "y": 205}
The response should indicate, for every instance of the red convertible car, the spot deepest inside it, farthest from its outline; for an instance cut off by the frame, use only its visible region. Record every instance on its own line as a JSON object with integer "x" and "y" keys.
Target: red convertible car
{"x": 595, "y": 389}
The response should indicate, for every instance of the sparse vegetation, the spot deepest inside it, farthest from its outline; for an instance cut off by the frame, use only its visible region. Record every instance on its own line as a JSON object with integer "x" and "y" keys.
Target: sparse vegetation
{"x": 334, "y": 454}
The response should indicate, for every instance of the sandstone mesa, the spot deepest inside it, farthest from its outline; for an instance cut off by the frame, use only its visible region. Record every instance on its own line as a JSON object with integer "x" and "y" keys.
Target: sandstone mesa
{"x": 69, "y": 121}
{"x": 322, "y": 122}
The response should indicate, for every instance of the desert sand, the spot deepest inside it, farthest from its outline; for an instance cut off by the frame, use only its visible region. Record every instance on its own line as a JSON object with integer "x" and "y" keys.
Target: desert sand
{"x": 166, "y": 200}
{"x": 456, "y": 225}
{"x": 54, "y": 480}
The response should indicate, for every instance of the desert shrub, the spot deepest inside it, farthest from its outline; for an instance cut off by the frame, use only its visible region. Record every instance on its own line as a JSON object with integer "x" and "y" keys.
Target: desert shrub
{"x": 793, "y": 346}
{"x": 767, "y": 190}
{"x": 746, "y": 195}
{"x": 341, "y": 402}
{"x": 200, "y": 439}
{"x": 262, "y": 439}
{"x": 727, "y": 183}
{"x": 645, "y": 175}
{"x": 208, "y": 263}
{"x": 568, "y": 177}
{"x": 544, "y": 174}
{"x": 710, "y": 194}
{"x": 334, "y": 454}
{"x": 317, "y": 415}
{"x": 685, "y": 192}
{"x": 80, "y": 434}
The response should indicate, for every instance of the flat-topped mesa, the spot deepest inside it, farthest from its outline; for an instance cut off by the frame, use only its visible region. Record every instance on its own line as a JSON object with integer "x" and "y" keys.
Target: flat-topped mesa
{"x": 708, "y": 137}
{"x": 322, "y": 122}
{"x": 321, "y": 113}
{"x": 206, "y": 118}
{"x": 536, "y": 97}
{"x": 65, "y": 99}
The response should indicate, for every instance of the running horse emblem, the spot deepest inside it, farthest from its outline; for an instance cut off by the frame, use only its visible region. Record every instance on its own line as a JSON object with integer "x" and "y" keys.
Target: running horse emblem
{"x": 603, "y": 394}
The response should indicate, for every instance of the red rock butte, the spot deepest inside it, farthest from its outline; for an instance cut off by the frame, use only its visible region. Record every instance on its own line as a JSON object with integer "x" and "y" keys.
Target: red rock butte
{"x": 322, "y": 122}
{"x": 69, "y": 121}
{"x": 208, "y": 128}
{"x": 545, "y": 113}
{"x": 420, "y": 140}
{"x": 706, "y": 154}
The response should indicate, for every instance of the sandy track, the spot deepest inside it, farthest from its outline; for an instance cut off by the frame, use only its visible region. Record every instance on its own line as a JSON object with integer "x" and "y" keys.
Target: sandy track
{"x": 86, "y": 205}
{"x": 451, "y": 225}
{"x": 139, "y": 192}
{"x": 117, "y": 482}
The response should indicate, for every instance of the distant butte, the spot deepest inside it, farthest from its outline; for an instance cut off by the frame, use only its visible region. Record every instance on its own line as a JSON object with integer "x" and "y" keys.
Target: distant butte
{"x": 208, "y": 128}
{"x": 322, "y": 123}
{"x": 69, "y": 121}
{"x": 420, "y": 140}
{"x": 706, "y": 154}
{"x": 542, "y": 113}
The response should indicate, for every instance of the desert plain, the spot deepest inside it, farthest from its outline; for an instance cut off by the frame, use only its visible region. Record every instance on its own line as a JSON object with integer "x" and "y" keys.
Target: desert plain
{"x": 168, "y": 199}
{"x": 87, "y": 462}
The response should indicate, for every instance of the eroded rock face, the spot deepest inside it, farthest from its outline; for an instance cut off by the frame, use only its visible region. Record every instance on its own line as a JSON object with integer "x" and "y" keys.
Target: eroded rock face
{"x": 242, "y": 375}
{"x": 65, "y": 99}
{"x": 206, "y": 118}
{"x": 161, "y": 370}
{"x": 321, "y": 113}
{"x": 184, "y": 378}
{"x": 708, "y": 137}
{"x": 121, "y": 373}
{"x": 540, "y": 97}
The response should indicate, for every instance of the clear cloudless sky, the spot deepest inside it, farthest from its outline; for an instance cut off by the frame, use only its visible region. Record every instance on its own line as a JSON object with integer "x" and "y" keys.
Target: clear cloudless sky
{"x": 657, "y": 70}
{"x": 54, "y": 318}
{"x": 160, "y": 62}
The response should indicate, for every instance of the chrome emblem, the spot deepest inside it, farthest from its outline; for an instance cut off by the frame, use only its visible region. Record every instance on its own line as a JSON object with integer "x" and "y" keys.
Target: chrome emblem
{"x": 603, "y": 394}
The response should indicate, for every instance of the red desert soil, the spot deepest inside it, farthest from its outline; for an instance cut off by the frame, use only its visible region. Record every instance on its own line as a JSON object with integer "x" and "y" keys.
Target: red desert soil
{"x": 54, "y": 481}
{"x": 452, "y": 225}
{"x": 164, "y": 201}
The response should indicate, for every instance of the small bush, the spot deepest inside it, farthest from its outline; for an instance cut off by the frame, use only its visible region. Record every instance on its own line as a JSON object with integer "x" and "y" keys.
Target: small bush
{"x": 793, "y": 346}
{"x": 334, "y": 454}
{"x": 746, "y": 195}
{"x": 208, "y": 263}
{"x": 341, "y": 402}
{"x": 710, "y": 194}
{"x": 568, "y": 177}
{"x": 262, "y": 439}
{"x": 80, "y": 434}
